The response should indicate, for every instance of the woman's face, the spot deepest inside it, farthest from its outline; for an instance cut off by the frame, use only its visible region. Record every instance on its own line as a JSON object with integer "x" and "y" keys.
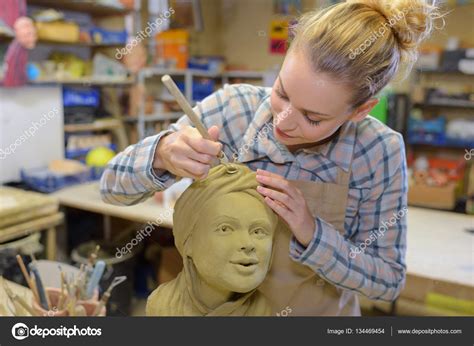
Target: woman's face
{"x": 307, "y": 106}
{"x": 231, "y": 244}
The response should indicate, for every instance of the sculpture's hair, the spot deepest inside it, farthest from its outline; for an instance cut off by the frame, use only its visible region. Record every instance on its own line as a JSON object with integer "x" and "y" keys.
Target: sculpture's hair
{"x": 363, "y": 43}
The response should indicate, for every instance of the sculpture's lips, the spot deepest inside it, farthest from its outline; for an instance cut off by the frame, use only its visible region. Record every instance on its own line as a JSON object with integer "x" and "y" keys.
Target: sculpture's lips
{"x": 246, "y": 266}
{"x": 247, "y": 262}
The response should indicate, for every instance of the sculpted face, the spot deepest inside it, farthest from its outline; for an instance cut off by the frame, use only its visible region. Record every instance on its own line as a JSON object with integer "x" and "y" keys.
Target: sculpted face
{"x": 231, "y": 244}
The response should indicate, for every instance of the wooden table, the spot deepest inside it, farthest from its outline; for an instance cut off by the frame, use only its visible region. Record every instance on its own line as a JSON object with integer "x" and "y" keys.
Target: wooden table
{"x": 46, "y": 223}
{"x": 87, "y": 197}
{"x": 440, "y": 259}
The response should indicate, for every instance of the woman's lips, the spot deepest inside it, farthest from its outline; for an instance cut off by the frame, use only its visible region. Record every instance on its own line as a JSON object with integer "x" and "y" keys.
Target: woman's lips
{"x": 282, "y": 134}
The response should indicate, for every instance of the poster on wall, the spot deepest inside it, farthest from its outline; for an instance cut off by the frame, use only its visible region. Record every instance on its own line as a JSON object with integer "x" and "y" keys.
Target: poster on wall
{"x": 278, "y": 36}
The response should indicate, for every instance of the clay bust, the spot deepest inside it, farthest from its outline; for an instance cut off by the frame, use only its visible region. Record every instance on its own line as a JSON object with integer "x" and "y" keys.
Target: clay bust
{"x": 224, "y": 232}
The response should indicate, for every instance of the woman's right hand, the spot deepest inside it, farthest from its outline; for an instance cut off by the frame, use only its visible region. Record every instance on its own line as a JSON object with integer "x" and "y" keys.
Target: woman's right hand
{"x": 186, "y": 154}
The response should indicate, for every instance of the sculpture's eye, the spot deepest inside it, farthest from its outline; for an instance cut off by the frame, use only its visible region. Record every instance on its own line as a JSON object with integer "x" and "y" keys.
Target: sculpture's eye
{"x": 224, "y": 229}
{"x": 259, "y": 232}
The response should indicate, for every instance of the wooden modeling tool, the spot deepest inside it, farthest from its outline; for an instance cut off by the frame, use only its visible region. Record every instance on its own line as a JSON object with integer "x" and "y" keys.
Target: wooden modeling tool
{"x": 187, "y": 109}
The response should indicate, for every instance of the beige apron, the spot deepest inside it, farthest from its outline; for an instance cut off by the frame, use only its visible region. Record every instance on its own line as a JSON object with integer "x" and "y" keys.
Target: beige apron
{"x": 294, "y": 289}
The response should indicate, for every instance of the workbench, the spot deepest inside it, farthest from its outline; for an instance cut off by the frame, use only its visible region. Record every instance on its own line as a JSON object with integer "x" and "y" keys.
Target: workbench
{"x": 87, "y": 197}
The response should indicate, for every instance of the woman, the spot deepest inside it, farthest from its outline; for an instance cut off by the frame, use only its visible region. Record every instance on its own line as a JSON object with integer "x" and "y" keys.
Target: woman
{"x": 333, "y": 173}
{"x": 224, "y": 232}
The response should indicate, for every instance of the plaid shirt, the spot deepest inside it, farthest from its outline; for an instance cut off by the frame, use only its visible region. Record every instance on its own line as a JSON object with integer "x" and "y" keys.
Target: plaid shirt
{"x": 377, "y": 188}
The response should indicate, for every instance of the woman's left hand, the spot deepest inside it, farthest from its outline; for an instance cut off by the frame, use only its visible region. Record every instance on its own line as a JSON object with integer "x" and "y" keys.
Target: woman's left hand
{"x": 288, "y": 202}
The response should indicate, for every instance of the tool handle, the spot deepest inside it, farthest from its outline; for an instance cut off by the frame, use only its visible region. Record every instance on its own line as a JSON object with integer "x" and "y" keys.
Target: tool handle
{"x": 95, "y": 278}
{"x": 183, "y": 103}
{"x": 39, "y": 286}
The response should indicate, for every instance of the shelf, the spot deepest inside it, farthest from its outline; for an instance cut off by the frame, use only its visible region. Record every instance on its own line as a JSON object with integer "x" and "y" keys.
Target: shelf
{"x": 85, "y": 82}
{"x": 150, "y": 71}
{"x": 443, "y": 72}
{"x": 82, "y": 44}
{"x": 88, "y": 6}
{"x": 442, "y": 105}
{"x": 450, "y": 145}
{"x": 244, "y": 74}
{"x": 157, "y": 71}
{"x": 157, "y": 117}
{"x": 98, "y": 125}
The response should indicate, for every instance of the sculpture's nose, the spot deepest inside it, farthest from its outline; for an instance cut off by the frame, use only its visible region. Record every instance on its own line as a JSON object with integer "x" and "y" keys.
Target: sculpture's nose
{"x": 246, "y": 242}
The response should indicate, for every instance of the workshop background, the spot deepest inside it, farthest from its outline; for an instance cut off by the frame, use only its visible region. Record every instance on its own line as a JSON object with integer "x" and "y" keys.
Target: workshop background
{"x": 90, "y": 86}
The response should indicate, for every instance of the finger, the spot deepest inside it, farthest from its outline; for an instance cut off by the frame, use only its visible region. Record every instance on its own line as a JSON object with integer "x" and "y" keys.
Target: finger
{"x": 213, "y": 132}
{"x": 278, "y": 208}
{"x": 269, "y": 174}
{"x": 196, "y": 169}
{"x": 205, "y": 146}
{"x": 276, "y": 183}
{"x": 196, "y": 156}
{"x": 277, "y": 196}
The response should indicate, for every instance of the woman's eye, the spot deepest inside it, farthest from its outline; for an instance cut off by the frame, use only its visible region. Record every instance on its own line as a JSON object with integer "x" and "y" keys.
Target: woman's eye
{"x": 280, "y": 95}
{"x": 312, "y": 122}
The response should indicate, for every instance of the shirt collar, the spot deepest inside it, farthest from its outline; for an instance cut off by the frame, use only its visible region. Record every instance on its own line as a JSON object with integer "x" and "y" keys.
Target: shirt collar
{"x": 259, "y": 141}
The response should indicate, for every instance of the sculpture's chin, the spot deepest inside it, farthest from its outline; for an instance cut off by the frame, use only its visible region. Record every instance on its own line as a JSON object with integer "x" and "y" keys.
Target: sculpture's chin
{"x": 244, "y": 284}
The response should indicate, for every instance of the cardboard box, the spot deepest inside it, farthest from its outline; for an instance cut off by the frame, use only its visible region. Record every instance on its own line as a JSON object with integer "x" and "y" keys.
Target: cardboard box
{"x": 433, "y": 197}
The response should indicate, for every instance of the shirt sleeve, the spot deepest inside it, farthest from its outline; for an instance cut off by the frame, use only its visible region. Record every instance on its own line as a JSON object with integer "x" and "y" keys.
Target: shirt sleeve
{"x": 372, "y": 261}
{"x": 130, "y": 178}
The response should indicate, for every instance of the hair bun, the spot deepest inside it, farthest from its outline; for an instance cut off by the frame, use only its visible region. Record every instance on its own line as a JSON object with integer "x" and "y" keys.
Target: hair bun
{"x": 410, "y": 20}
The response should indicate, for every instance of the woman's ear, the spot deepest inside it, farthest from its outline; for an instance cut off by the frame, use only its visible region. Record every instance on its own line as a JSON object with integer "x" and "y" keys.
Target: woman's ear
{"x": 363, "y": 110}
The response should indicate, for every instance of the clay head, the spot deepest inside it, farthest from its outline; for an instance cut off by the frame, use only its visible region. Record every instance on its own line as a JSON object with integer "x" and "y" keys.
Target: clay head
{"x": 224, "y": 227}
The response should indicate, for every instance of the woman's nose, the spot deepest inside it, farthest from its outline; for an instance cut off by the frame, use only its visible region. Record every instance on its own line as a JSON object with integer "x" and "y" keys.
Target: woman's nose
{"x": 283, "y": 118}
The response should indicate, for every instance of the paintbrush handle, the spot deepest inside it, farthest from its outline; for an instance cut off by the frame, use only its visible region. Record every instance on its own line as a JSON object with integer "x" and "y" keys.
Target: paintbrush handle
{"x": 27, "y": 277}
{"x": 39, "y": 286}
{"x": 95, "y": 278}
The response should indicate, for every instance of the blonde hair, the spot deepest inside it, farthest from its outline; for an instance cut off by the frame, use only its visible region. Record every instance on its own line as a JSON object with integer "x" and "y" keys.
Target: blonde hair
{"x": 363, "y": 43}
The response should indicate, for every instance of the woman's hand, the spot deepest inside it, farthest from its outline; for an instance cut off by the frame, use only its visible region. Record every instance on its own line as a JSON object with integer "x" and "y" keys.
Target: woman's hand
{"x": 288, "y": 202}
{"x": 186, "y": 154}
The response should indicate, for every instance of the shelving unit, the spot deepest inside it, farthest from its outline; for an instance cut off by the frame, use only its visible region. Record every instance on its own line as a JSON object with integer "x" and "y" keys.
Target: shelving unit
{"x": 87, "y": 6}
{"x": 99, "y": 11}
{"x": 188, "y": 75}
{"x": 451, "y": 109}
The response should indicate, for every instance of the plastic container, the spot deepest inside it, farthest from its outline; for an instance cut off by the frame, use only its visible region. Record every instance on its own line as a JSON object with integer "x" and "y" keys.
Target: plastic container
{"x": 42, "y": 179}
{"x": 73, "y": 97}
{"x": 53, "y": 294}
{"x": 100, "y": 35}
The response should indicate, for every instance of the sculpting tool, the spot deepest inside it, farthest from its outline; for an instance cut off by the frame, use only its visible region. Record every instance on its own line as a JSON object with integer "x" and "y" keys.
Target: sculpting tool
{"x": 95, "y": 278}
{"x": 105, "y": 297}
{"x": 39, "y": 286}
{"x": 62, "y": 297}
{"x": 27, "y": 277}
{"x": 187, "y": 109}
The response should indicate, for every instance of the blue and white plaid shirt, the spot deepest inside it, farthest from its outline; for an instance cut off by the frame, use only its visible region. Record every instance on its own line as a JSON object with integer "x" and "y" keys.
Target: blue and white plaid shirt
{"x": 377, "y": 195}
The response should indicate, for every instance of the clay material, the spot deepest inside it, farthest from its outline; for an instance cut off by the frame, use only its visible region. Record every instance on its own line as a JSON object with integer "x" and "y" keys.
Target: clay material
{"x": 224, "y": 231}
